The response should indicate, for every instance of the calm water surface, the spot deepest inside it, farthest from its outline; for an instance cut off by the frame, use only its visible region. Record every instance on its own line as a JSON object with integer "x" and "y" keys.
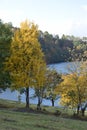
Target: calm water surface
{"x": 60, "y": 67}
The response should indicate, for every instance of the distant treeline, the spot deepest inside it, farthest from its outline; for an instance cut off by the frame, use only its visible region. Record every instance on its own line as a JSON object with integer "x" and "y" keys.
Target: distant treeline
{"x": 66, "y": 48}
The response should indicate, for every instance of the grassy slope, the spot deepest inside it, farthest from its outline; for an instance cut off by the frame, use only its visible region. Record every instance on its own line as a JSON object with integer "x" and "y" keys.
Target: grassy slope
{"x": 13, "y": 120}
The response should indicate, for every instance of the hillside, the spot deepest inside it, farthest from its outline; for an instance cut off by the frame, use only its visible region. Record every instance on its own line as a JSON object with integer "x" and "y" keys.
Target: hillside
{"x": 12, "y": 118}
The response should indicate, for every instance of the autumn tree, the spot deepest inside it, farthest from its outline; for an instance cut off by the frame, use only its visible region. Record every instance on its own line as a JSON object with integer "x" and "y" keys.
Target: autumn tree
{"x": 26, "y": 58}
{"x": 73, "y": 89}
{"x": 53, "y": 79}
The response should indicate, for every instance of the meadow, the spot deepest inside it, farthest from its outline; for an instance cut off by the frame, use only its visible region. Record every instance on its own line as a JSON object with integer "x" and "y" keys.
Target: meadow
{"x": 14, "y": 116}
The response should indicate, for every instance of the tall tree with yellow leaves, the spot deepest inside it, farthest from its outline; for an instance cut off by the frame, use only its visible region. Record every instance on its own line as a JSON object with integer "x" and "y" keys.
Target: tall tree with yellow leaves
{"x": 26, "y": 58}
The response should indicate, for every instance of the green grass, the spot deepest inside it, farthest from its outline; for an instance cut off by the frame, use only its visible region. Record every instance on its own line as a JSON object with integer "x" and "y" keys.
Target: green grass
{"x": 15, "y": 120}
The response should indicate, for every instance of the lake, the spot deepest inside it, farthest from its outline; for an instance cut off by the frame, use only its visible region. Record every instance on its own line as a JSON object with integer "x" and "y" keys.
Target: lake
{"x": 60, "y": 67}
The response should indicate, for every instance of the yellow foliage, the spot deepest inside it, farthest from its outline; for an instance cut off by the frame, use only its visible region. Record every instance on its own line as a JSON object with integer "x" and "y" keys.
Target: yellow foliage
{"x": 26, "y": 64}
{"x": 73, "y": 89}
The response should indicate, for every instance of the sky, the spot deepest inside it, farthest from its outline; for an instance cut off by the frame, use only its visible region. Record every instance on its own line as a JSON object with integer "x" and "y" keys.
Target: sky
{"x": 60, "y": 17}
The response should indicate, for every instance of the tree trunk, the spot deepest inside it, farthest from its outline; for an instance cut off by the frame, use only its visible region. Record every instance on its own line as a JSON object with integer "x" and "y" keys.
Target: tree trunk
{"x": 52, "y": 102}
{"x": 83, "y": 111}
{"x": 39, "y": 103}
{"x": 78, "y": 107}
{"x": 27, "y": 97}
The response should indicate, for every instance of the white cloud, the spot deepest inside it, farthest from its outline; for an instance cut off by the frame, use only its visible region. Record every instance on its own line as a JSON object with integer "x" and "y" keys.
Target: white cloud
{"x": 11, "y": 16}
{"x": 84, "y": 7}
{"x": 79, "y": 29}
{"x": 59, "y": 28}
{"x": 70, "y": 28}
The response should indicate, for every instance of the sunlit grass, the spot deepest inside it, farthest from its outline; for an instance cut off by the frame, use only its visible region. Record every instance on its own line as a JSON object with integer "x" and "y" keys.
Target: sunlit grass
{"x": 15, "y": 120}
{"x": 10, "y": 120}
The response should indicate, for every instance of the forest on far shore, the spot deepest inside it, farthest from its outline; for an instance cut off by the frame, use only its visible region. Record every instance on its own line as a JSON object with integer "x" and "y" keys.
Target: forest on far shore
{"x": 66, "y": 48}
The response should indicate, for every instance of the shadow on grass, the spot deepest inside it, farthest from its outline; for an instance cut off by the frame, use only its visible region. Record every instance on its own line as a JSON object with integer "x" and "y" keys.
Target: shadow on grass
{"x": 14, "y": 106}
